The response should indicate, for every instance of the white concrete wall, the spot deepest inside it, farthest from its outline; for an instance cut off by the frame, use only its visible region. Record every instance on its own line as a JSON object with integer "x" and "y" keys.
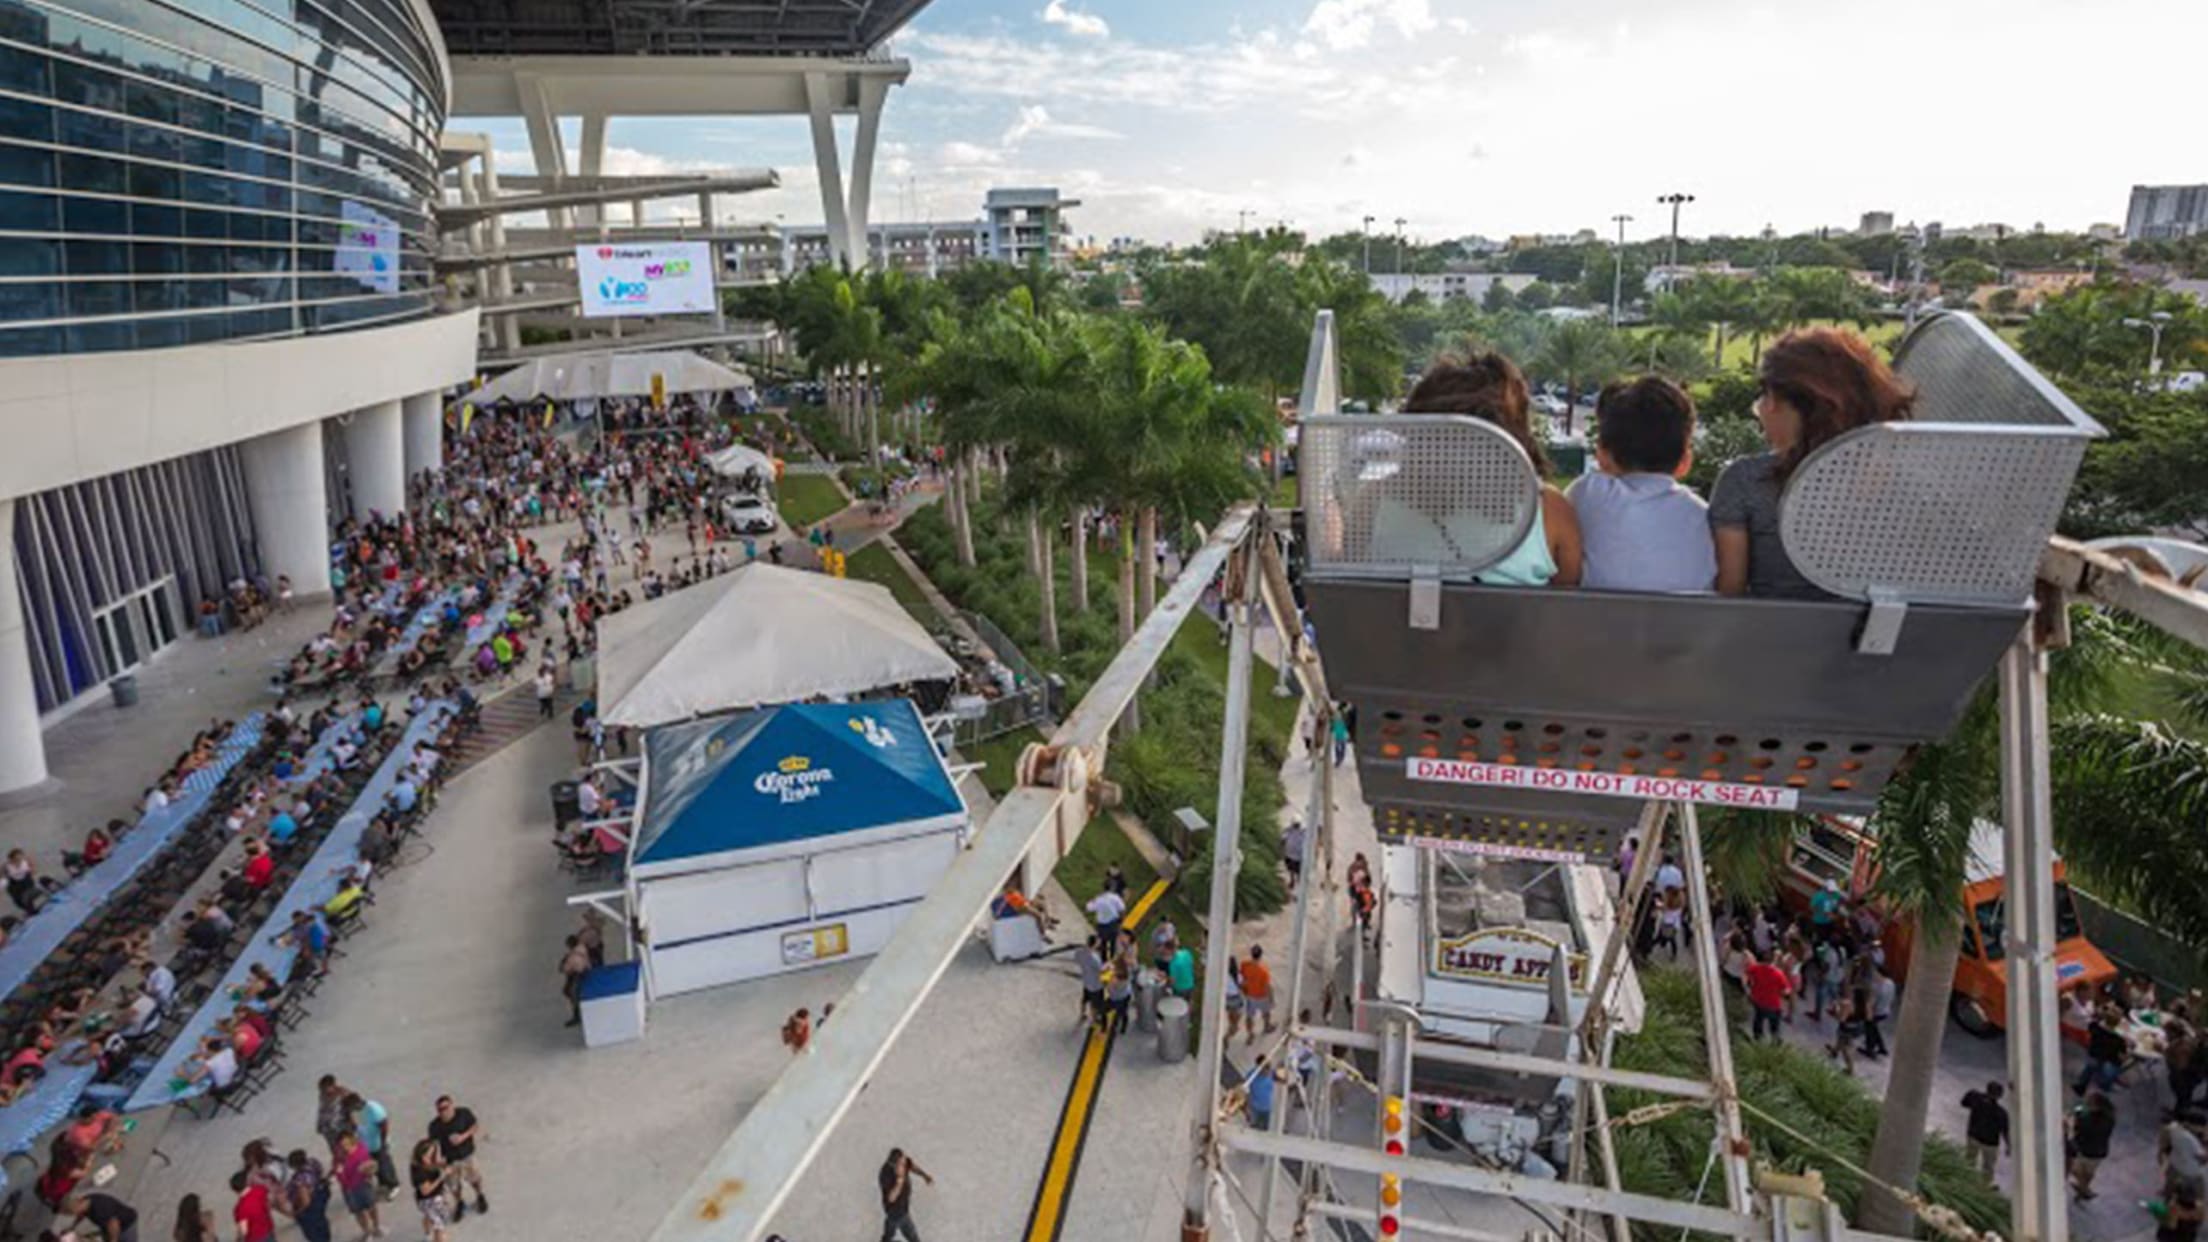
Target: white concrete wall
{"x": 72, "y": 417}
{"x": 425, "y": 433}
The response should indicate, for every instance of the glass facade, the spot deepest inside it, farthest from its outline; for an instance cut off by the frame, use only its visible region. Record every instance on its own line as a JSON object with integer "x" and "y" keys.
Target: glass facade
{"x": 175, "y": 172}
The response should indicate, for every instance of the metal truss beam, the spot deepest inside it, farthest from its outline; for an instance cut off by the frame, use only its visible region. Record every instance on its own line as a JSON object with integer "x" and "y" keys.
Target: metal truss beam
{"x": 742, "y": 1185}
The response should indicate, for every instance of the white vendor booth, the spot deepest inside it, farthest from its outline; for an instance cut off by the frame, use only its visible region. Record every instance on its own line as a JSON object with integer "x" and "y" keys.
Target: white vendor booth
{"x": 785, "y": 837}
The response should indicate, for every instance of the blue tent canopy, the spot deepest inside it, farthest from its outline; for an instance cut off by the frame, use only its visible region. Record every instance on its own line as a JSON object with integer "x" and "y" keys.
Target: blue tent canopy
{"x": 764, "y": 781}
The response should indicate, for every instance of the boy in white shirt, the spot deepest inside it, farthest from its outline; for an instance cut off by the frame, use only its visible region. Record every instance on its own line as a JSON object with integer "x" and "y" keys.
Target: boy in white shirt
{"x": 1642, "y": 529}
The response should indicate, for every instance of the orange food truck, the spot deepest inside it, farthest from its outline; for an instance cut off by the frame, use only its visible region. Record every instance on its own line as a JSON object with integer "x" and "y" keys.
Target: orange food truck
{"x": 1844, "y": 852}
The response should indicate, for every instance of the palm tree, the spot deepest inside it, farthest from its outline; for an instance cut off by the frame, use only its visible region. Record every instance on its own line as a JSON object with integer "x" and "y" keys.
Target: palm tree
{"x": 1925, "y": 818}
{"x": 1580, "y": 352}
{"x": 1720, "y": 302}
{"x": 1674, "y": 317}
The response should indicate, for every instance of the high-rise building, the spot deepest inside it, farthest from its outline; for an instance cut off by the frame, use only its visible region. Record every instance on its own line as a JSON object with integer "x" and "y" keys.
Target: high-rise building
{"x": 1026, "y": 224}
{"x": 2163, "y": 212}
{"x": 221, "y": 233}
{"x": 1875, "y": 224}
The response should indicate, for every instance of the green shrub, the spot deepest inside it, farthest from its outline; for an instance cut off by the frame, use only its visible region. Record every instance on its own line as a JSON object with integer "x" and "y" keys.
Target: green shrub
{"x": 1667, "y": 1157}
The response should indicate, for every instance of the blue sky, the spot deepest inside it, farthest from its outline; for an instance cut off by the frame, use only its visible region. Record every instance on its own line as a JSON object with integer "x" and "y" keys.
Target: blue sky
{"x": 1504, "y": 116}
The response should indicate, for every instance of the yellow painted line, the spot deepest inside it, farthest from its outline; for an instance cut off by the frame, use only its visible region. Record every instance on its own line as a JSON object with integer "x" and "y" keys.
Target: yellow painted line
{"x": 1048, "y": 1216}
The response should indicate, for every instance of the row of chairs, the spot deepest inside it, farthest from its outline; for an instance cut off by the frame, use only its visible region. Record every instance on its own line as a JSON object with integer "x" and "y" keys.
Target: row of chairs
{"x": 291, "y": 1009}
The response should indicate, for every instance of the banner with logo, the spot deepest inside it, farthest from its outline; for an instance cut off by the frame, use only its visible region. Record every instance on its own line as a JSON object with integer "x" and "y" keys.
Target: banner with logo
{"x": 645, "y": 278}
{"x": 1506, "y": 955}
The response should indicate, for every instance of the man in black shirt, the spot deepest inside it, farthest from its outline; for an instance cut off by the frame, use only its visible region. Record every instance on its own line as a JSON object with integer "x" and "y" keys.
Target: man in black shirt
{"x": 115, "y": 1220}
{"x": 455, "y": 1129}
{"x": 896, "y": 1178}
{"x": 1988, "y": 1132}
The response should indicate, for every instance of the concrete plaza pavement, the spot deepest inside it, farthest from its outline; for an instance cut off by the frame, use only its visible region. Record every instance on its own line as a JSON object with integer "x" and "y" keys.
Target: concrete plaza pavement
{"x": 452, "y": 988}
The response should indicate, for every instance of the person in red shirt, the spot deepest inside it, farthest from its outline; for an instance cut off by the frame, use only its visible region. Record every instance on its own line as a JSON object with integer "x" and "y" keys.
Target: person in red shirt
{"x": 254, "y": 1219}
{"x": 1767, "y": 990}
{"x": 1257, "y": 991}
{"x": 260, "y": 865}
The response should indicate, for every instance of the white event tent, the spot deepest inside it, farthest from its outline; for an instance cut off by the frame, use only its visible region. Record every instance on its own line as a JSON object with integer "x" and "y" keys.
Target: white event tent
{"x": 763, "y": 634}
{"x": 576, "y": 377}
{"x": 734, "y": 460}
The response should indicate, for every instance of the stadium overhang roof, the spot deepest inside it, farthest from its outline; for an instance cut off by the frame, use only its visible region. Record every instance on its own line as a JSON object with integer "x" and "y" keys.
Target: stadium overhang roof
{"x": 822, "y": 28}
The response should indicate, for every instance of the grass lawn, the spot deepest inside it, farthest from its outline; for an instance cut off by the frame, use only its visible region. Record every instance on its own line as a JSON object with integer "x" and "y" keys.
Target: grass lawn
{"x": 1273, "y": 716}
{"x": 1284, "y": 493}
{"x": 807, "y": 498}
{"x": 874, "y": 564}
{"x": 1000, "y": 754}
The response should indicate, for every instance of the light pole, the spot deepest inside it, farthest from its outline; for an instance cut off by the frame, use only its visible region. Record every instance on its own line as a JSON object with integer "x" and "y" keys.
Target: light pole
{"x": 1617, "y": 281}
{"x": 2154, "y": 323}
{"x": 1366, "y": 229}
{"x": 1399, "y": 223}
{"x": 1676, "y": 200}
{"x": 1242, "y": 222}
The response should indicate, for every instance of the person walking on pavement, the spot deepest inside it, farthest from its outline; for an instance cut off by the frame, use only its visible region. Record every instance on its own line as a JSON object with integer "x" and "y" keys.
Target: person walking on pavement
{"x": 456, "y": 1130}
{"x": 1882, "y": 1009}
{"x": 330, "y": 1120}
{"x": 2092, "y": 1125}
{"x": 896, "y": 1181}
{"x": 1291, "y": 852}
{"x": 1987, "y": 1133}
{"x": 548, "y": 684}
{"x": 1090, "y": 963}
{"x": 1257, "y": 992}
{"x": 574, "y": 964}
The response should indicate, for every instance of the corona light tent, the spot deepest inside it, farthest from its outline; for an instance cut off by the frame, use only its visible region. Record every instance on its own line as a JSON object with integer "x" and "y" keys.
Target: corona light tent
{"x": 785, "y": 837}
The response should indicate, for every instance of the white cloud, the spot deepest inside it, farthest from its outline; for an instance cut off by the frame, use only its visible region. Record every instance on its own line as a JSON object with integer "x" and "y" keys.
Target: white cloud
{"x": 1346, "y": 25}
{"x": 1086, "y": 25}
{"x": 1035, "y": 120}
{"x": 968, "y": 155}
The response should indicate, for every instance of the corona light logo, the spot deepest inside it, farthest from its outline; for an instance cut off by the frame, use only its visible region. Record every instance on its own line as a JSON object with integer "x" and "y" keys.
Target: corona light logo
{"x": 794, "y": 779}
{"x": 605, "y": 252}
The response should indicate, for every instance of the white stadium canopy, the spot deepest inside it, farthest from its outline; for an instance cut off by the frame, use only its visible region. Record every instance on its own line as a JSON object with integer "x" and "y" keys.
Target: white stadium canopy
{"x": 574, "y": 377}
{"x": 762, "y": 634}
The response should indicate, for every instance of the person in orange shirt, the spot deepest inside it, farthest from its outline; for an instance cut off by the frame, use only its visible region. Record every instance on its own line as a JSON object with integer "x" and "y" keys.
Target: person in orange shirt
{"x": 1257, "y": 991}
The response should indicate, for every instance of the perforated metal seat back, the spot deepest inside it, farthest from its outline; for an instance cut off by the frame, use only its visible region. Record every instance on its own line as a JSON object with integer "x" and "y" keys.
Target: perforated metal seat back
{"x": 1755, "y": 694}
{"x": 1954, "y": 505}
{"x": 1388, "y": 495}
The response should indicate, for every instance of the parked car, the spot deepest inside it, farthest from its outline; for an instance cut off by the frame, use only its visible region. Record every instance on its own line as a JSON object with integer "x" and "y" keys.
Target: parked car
{"x": 749, "y": 515}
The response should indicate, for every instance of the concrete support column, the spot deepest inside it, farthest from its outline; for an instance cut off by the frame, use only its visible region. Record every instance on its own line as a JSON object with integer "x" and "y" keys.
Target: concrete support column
{"x": 22, "y": 744}
{"x": 873, "y": 92}
{"x": 424, "y": 433}
{"x": 546, "y": 148}
{"x": 592, "y": 161}
{"x": 820, "y": 106}
{"x": 498, "y": 280}
{"x": 375, "y": 449}
{"x": 291, "y": 511}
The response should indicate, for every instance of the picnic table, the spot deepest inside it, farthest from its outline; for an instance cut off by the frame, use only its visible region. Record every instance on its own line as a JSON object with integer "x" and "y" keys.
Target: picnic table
{"x": 70, "y": 906}
{"x": 317, "y": 882}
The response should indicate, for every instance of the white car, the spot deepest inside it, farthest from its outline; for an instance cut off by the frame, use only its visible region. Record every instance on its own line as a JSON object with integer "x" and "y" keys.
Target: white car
{"x": 749, "y": 515}
{"x": 1548, "y": 404}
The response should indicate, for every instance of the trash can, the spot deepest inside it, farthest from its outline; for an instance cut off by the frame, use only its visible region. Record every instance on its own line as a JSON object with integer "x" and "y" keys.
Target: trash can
{"x": 124, "y": 689}
{"x": 1172, "y": 1029}
{"x": 567, "y": 803}
{"x": 1147, "y": 986}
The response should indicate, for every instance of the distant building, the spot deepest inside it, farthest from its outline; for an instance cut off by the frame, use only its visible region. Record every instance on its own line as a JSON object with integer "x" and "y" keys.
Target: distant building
{"x": 918, "y": 247}
{"x": 1875, "y": 224}
{"x": 2105, "y": 232}
{"x": 1026, "y": 224}
{"x": 1395, "y": 286}
{"x": 2165, "y": 212}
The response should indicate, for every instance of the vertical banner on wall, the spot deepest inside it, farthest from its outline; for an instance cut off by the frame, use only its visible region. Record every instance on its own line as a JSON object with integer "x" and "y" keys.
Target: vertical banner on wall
{"x": 652, "y": 278}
